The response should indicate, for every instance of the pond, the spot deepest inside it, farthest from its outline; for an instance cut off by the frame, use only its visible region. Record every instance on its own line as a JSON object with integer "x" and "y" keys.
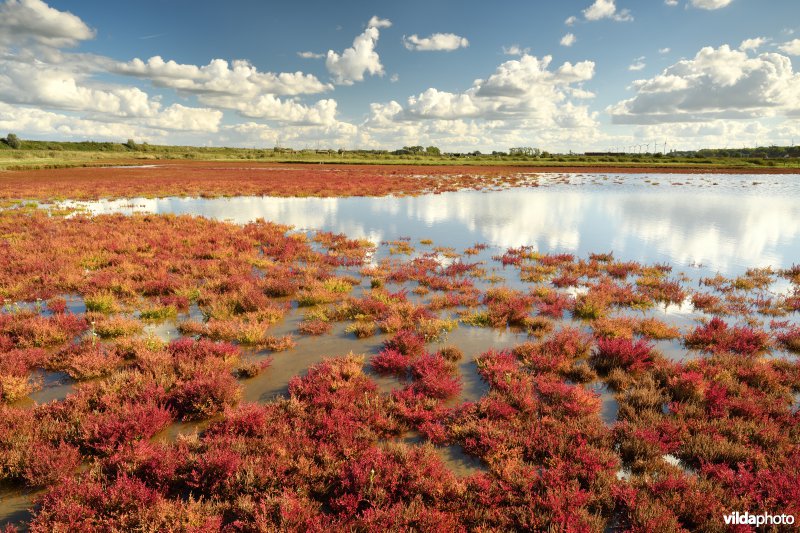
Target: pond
{"x": 708, "y": 223}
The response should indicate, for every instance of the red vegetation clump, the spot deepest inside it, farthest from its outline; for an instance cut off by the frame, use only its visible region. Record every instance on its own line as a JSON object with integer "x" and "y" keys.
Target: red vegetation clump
{"x": 407, "y": 342}
{"x": 554, "y": 304}
{"x": 507, "y": 307}
{"x": 390, "y": 312}
{"x": 315, "y": 327}
{"x": 535, "y": 434}
{"x": 105, "y": 431}
{"x": 16, "y": 366}
{"x": 466, "y": 298}
{"x": 626, "y": 354}
{"x": 118, "y": 504}
{"x": 716, "y": 336}
{"x": 373, "y": 492}
{"x": 790, "y": 339}
{"x": 57, "y": 304}
{"x": 27, "y": 329}
{"x": 391, "y": 361}
{"x": 88, "y": 360}
{"x": 708, "y": 303}
{"x": 434, "y": 377}
{"x": 204, "y": 394}
{"x": 555, "y": 354}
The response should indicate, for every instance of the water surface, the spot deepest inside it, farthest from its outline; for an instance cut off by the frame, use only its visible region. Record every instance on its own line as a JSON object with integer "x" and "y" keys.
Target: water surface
{"x": 715, "y": 223}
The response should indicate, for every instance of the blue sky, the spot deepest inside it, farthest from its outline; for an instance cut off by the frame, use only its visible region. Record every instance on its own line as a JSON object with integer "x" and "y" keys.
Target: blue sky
{"x": 571, "y": 75}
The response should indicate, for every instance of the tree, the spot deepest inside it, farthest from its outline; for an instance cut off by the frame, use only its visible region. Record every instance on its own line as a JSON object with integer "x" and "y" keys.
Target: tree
{"x": 131, "y": 144}
{"x": 413, "y": 149}
{"x": 524, "y": 150}
{"x": 433, "y": 150}
{"x": 13, "y": 141}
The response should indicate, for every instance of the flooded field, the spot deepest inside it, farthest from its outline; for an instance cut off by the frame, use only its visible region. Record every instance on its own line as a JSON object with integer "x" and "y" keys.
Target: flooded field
{"x": 472, "y": 346}
{"x": 715, "y": 223}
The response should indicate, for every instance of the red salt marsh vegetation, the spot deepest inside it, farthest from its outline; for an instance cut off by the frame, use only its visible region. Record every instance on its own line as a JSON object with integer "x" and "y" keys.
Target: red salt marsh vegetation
{"x": 212, "y": 179}
{"x": 696, "y": 436}
{"x": 222, "y": 178}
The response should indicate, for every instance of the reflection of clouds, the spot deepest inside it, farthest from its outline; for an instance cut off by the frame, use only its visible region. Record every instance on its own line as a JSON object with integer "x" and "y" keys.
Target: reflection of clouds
{"x": 301, "y": 213}
{"x": 725, "y": 231}
{"x": 510, "y": 218}
{"x": 719, "y": 231}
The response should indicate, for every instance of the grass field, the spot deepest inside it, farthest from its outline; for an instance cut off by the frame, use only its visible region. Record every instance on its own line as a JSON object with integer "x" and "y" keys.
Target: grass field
{"x": 42, "y": 154}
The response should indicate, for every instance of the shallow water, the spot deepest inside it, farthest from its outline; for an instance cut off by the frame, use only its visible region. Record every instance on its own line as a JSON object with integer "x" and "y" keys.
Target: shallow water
{"x": 55, "y": 387}
{"x": 711, "y": 223}
{"x": 453, "y": 457}
{"x": 15, "y": 507}
{"x": 609, "y": 407}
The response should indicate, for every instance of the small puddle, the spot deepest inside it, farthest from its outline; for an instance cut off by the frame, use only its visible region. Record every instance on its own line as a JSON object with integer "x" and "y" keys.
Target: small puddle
{"x": 474, "y": 341}
{"x": 171, "y": 433}
{"x": 15, "y": 508}
{"x": 55, "y": 387}
{"x": 609, "y": 408}
{"x": 675, "y": 351}
{"x": 310, "y": 350}
{"x": 453, "y": 456}
{"x": 166, "y": 331}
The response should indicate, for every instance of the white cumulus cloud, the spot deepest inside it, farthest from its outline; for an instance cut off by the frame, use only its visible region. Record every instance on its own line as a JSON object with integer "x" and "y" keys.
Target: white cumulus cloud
{"x": 568, "y": 39}
{"x": 525, "y": 102}
{"x": 23, "y": 21}
{"x": 523, "y": 89}
{"x": 515, "y": 50}
{"x": 718, "y": 83}
{"x": 436, "y": 42}
{"x": 638, "y": 64}
{"x": 752, "y": 44}
{"x": 791, "y": 47}
{"x": 221, "y": 78}
{"x": 310, "y": 55}
{"x": 710, "y": 5}
{"x": 602, "y": 9}
{"x": 46, "y": 86}
{"x": 353, "y": 63}
{"x": 377, "y": 22}
{"x": 41, "y": 123}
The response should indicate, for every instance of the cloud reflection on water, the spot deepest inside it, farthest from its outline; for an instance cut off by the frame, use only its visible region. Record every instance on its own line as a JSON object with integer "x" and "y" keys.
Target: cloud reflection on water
{"x": 726, "y": 231}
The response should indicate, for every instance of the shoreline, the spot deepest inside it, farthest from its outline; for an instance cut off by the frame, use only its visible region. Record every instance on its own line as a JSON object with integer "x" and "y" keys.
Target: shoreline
{"x": 249, "y": 178}
{"x": 433, "y": 167}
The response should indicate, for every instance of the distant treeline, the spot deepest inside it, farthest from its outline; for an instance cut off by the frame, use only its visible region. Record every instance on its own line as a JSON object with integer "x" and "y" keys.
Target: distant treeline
{"x": 762, "y": 152}
{"x": 43, "y": 154}
{"x": 12, "y": 142}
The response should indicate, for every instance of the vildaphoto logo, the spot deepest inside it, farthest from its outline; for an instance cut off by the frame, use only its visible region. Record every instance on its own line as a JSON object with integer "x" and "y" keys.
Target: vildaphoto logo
{"x": 764, "y": 519}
